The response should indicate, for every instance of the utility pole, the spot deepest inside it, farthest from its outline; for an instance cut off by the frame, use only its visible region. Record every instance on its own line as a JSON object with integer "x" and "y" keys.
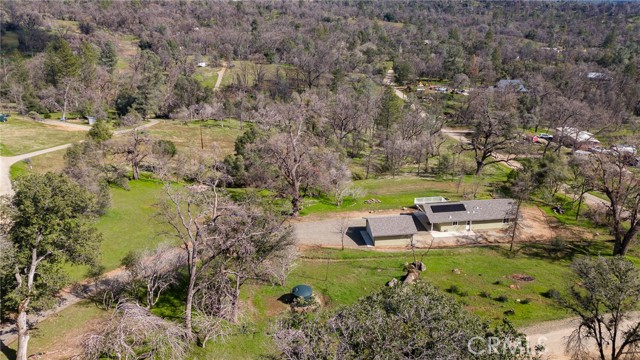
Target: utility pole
{"x": 201, "y": 138}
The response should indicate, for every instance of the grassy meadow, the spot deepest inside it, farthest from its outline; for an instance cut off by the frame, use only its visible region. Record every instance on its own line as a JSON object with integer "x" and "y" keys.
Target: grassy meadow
{"x": 21, "y": 135}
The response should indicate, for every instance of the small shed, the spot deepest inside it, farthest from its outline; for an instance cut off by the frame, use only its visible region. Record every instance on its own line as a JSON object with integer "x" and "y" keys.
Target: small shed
{"x": 302, "y": 291}
{"x": 91, "y": 119}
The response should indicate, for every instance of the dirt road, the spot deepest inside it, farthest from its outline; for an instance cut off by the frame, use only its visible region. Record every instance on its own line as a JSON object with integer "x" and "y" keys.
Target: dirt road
{"x": 220, "y": 75}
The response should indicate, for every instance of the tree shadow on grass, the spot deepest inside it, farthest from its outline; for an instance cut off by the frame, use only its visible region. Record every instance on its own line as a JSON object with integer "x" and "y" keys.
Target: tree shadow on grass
{"x": 557, "y": 250}
{"x": 8, "y": 352}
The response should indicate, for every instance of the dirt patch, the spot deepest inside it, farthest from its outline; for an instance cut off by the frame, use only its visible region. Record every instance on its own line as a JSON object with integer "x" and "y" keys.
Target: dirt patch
{"x": 522, "y": 277}
{"x": 276, "y": 306}
{"x": 535, "y": 225}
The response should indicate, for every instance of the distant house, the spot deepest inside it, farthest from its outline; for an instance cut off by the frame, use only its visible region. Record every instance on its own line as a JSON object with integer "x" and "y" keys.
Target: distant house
{"x": 516, "y": 84}
{"x": 576, "y": 138}
{"x": 597, "y": 76}
{"x": 468, "y": 215}
{"x": 392, "y": 230}
{"x": 202, "y": 64}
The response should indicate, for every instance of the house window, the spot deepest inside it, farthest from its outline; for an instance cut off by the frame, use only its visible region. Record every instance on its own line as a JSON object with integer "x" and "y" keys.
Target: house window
{"x": 505, "y": 221}
{"x": 454, "y": 223}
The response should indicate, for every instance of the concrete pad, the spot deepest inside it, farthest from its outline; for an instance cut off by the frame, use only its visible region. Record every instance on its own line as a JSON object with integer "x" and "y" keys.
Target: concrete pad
{"x": 446, "y": 234}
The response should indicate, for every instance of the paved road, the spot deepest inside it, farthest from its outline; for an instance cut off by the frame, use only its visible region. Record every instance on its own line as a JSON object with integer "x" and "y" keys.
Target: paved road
{"x": 66, "y": 297}
{"x": 553, "y": 334}
{"x": 7, "y": 161}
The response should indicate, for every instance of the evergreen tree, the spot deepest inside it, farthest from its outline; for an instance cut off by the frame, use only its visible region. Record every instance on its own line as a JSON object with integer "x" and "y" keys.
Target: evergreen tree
{"x": 60, "y": 62}
{"x": 390, "y": 111}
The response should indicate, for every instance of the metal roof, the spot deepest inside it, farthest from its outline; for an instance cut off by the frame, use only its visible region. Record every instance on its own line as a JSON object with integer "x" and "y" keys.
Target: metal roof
{"x": 399, "y": 225}
{"x": 471, "y": 210}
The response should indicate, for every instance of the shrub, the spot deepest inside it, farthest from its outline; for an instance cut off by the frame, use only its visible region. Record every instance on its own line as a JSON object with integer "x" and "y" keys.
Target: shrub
{"x": 501, "y": 298}
{"x": 551, "y": 294}
{"x": 357, "y": 174}
{"x": 497, "y": 282}
{"x": 34, "y": 115}
{"x": 453, "y": 289}
{"x": 484, "y": 294}
{"x": 164, "y": 148}
{"x": 525, "y": 301}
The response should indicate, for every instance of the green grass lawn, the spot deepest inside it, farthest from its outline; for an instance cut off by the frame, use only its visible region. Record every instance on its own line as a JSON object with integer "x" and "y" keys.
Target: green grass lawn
{"x": 53, "y": 161}
{"x": 342, "y": 277}
{"x": 207, "y": 76}
{"x": 216, "y": 135}
{"x": 62, "y": 327}
{"x": 10, "y": 40}
{"x": 130, "y": 224}
{"x": 398, "y": 192}
{"x": 21, "y": 135}
{"x": 351, "y": 274}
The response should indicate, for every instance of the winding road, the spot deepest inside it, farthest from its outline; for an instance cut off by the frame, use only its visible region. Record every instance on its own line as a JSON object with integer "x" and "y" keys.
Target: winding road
{"x": 7, "y": 161}
{"x": 66, "y": 297}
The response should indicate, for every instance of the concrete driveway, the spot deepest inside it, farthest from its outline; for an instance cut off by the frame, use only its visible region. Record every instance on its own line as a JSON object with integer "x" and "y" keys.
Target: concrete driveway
{"x": 327, "y": 232}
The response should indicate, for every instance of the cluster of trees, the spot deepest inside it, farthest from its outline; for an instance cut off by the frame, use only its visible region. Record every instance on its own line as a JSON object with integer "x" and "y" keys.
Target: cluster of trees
{"x": 49, "y": 222}
{"x": 324, "y": 43}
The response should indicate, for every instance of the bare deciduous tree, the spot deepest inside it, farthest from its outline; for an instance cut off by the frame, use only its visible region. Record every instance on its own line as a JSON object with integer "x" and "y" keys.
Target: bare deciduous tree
{"x": 133, "y": 333}
{"x": 608, "y": 289}
{"x": 492, "y": 134}
{"x": 136, "y": 149}
{"x": 153, "y": 270}
{"x": 193, "y": 213}
{"x": 622, "y": 188}
{"x": 293, "y": 158}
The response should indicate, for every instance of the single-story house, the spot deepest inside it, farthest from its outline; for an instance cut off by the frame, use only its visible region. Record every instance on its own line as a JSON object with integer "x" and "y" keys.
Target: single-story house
{"x": 393, "y": 230}
{"x": 469, "y": 215}
{"x": 579, "y": 140}
{"x": 438, "y": 214}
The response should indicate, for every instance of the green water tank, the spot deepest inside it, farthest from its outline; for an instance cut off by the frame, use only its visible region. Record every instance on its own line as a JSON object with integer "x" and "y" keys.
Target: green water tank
{"x": 302, "y": 291}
